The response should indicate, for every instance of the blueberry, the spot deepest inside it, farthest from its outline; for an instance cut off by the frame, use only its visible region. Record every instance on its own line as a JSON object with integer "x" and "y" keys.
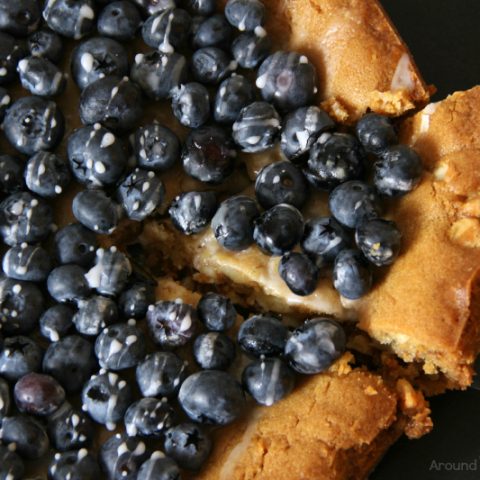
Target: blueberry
{"x": 301, "y": 129}
{"x": 18, "y": 356}
{"x": 27, "y": 262}
{"x": 56, "y": 322}
{"x": 75, "y": 244}
{"x": 149, "y": 417}
{"x": 32, "y": 124}
{"x": 119, "y": 20}
{"x": 121, "y": 457}
{"x": 249, "y": 49}
{"x": 213, "y": 31}
{"x": 71, "y": 361}
{"x": 106, "y": 398}
{"x": 38, "y": 394}
{"x": 157, "y": 73}
{"x": 24, "y": 218}
{"x": 67, "y": 283}
{"x": 353, "y": 202}
{"x": 334, "y": 158}
{"x": 188, "y": 444}
{"x": 288, "y": 80}
{"x": 268, "y": 380}
{"x": 11, "y": 178}
{"x": 375, "y": 132}
{"x": 161, "y": 374}
{"x": 398, "y": 171}
{"x": 325, "y": 238}
{"x": 47, "y": 174}
{"x": 352, "y": 277}
{"x": 40, "y": 76}
{"x": 299, "y": 272}
{"x": 191, "y": 104}
{"x": 110, "y": 273}
{"x": 212, "y": 396}
{"x": 279, "y": 229}
{"x": 11, "y": 51}
{"x": 96, "y": 58}
{"x": 21, "y": 303}
{"x": 134, "y": 301}
{"x": 27, "y": 434}
{"x": 4, "y": 399}
{"x": 214, "y": 351}
{"x": 94, "y": 314}
{"x": 281, "y": 182}
{"x": 216, "y": 312}
{"x": 191, "y": 212}
{"x": 156, "y": 147}
{"x": 256, "y": 127}
{"x": 167, "y": 30}
{"x": 96, "y": 211}
{"x": 20, "y": 17}
{"x": 154, "y": 6}
{"x": 47, "y": 44}
{"x": 379, "y": 240}
{"x": 245, "y": 14}
{"x": 262, "y": 335}
{"x": 5, "y": 102}
{"x": 112, "y": 101}
{"x": 69, "y": 428}
{"x": 200, "y": 7}
{"x": 208, "y": 155}
{"x": 70, "y": 19}
{"x": 172, "y": 324}
{"x": 234, "y": 93}
{"x": 159, "y": 467}
{"x": 11, "y": 465}
{"x": 78, "y": 464}
{"x": 315, "y": 345}
{"x": 210, "y": 65}
{"x": 232, "y": 225}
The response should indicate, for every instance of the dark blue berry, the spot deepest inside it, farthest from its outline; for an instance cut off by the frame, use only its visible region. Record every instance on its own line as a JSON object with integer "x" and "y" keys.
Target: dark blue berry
{"x": 191, "y": 104}
{"x": 214, "y": 351}
{"x": 213, "y": 31}
{"x": 210, "y": 65}
{"x": 249, "y": 49}
{"x": 232, "y": 225}
{"x": 281, "y": 182}
{"x": 70, "y": 19}
{"x": 262, "y": 335}
{"x": 245, "y": 14}
{"x": 154, "y": 6}
{"x": 11, "y": 465}
{"x": 398, "y": 171}
{"x": 279, "y": 229}
{"x": 256, "y": 127}
{"x": 157, "y": 73}
{"x": 38, "y": 394}
{"x": 299, "y": 272}
{"x": 188, "y": 444}
{"x": 315, "y": 345}
{"x": 27, "y": 262}
{"x": 159, "y": 467}
{"x": 67, "y": 283}
{"x": 11, "y": 176}
{"x": 56, "y": 322}
{"x": 375, "y": 132}
{"x": 200, "y": 7}
{"x": 19, "y": 356}
{"x": 47, "y": 44}
{"x": 5, "y": 102}
{"x": 353, "y": 202}
{"x": 352, "y": 277}
{"x": 208, "y": 155}
{"x": 5, "y": 399}
{"x": 191, "y": 212}
{"x": 71, "y": 361}
{"x": 47, "y": 174}
{"x": 149, "y": 417}
{"x": 78, "y": 464}
{"x": 234, "y": 93}
{"x": 268, "y": 380}
{"x": 134, "y": 301}
{"x": 32, "y": 124}
{"x": 119, "y": 20}
{"x": 94, "y": 314}
{"x": 11, "y": 51}
{"x": 216, "y": 312}
{"x": 40, "y": 76}
{"x": 288, "y": 80}
{"x": 301, "y": 129}
{"x": 161, "y": 374}
{"x": 172, "y": 324}
{"x": 75, "y": 244}
{"x": 20, "y": 17}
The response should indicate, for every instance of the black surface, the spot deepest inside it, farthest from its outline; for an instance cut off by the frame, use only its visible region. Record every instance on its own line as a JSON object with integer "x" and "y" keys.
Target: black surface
{"x": 444, "y": 37}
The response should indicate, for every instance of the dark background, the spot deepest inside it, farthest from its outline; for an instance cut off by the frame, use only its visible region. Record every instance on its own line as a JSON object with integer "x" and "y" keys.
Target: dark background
{"x": 444, "y": 37}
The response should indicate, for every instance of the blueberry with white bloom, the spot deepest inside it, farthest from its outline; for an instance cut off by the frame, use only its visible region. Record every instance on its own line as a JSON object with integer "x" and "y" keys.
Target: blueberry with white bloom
{"x": 191, "y": 104}
{"x": 210, "y": 65}
{"x": 75, "y": 244}
{"x": 27, "y": 262}
{"x": 154, "y": 6}
{"x": 216, "y": 312}
{"x": 257, "y": 127}
{"x": 11, "y": 176}
{"x": 352, "y": 277}
{"x": 94, "y": 314}
{"x": 134, "y": 300}
{"x": 120, "y": 20}
{"x": 5, "y": 102}
{"x": 315, "y": 345}
{"x": 262, "y": 335}
{"x": 47, "y": 44}
{"x": 20, "y": 17}
{"x": 245, "y": 14}
{"x": 56, "y": 322}
{"x": 159, "y": 467}
{"x": 11, "y": 51}
{"x": 40, "y": 76}
{"x": 19, "y": 355}
{"x": 200, "y": 7}
{"x": 234, "y": 93}
{"x": 67, "y": 283}
{"x": 299, "y": 272}
{"x": 11, "y": 465}
{"x": 79, "y": 464}
{"x": 213, "y": 31}
{"x": 70, "y": 19}
{"x": 149, "y": 417}
{"x": 375, "y": 132}
{"x": 214, "y": 351}
{"x": 249, "y": 48}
